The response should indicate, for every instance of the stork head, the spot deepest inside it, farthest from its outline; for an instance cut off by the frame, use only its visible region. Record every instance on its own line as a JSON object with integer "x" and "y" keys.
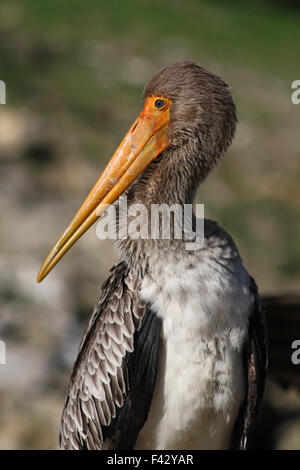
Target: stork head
{"x": 185, "y": 107}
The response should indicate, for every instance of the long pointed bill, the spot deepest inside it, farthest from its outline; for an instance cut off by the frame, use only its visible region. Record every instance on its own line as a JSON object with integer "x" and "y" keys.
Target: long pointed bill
{"x": 144, "y": 141}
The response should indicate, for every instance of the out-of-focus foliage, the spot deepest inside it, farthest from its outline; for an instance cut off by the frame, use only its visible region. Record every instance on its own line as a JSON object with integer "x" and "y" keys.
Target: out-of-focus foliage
{"x": 74, "y": 73}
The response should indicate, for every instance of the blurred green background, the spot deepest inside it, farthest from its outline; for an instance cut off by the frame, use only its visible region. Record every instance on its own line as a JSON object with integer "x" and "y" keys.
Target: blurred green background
{"x": 74, "y": 73}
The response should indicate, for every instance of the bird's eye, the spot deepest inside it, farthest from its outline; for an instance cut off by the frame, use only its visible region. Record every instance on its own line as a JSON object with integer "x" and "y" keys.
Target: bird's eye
{"x": 159, "y": 104}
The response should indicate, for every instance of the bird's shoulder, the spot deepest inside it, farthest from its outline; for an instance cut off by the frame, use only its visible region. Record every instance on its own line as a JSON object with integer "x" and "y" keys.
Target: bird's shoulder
{"x": 217, "y": 238}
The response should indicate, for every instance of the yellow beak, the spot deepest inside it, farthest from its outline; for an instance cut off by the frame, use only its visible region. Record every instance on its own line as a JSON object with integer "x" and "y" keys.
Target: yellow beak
{"x": 145, "y": 140}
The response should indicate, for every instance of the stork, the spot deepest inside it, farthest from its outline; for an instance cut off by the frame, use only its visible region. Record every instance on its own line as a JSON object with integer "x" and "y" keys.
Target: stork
{"x": 174, "y": 355}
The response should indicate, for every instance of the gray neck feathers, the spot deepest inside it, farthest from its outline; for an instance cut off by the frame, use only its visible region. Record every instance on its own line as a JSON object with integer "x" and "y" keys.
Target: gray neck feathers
{"x": 172, "y": 179}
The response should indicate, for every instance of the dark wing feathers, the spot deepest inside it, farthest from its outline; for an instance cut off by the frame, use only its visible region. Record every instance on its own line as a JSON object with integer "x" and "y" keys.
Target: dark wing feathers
{"x": 256, "y": 363}
{"x": 141, "y": 367}
{"x": 115, "y": 367}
